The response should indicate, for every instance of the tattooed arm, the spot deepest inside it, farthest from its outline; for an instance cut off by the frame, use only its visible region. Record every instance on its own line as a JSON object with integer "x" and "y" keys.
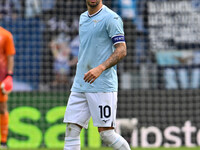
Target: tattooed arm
{"x": 117, "y": 55}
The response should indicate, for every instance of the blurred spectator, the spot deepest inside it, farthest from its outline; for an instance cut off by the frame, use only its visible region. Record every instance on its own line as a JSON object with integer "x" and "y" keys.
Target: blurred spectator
{"x": 7, "y": 10}
{"x": 180, "y": 69}
{"x": 142, "y": 53}
{"x": 127, "y": 9}
{"x": 69, "y": 11}
{"x": 57, "y": 26}
{"x": 32, "y": 8}
{"x": 74, "y": 45}
{"x": 54, "y": 24}
{"x": 47, "y": 6}
{"x": 62, "y": 19}
{"x": 141, "y": 15}
{"x": 63, "y": 60}
{"x": 19, "y": 7}
{"x": 27, "y": 8}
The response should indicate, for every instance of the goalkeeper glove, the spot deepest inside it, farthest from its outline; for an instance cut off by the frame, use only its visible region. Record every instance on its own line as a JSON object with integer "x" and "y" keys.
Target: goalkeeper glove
{"x": 7, "y": 84}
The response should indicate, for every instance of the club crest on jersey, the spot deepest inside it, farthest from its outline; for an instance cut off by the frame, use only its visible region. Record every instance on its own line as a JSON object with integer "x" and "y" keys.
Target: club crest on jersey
{"x": 95, "y": 22}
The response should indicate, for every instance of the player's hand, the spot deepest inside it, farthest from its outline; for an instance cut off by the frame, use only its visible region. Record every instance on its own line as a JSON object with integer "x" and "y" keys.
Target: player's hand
{"x": 93, "y": 74}
{"x": 7, "y": 85}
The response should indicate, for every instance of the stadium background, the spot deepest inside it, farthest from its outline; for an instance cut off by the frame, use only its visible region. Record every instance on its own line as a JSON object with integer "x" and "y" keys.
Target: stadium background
{"x": 159, "y": 80}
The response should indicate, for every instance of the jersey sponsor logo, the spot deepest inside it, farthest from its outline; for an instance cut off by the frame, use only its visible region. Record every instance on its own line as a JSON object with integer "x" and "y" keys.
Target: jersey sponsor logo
{"x": 95, "y": 22}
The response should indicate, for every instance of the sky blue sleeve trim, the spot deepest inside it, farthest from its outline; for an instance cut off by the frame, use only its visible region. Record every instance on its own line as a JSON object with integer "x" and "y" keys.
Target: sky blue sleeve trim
{"x": 118, "y": 39}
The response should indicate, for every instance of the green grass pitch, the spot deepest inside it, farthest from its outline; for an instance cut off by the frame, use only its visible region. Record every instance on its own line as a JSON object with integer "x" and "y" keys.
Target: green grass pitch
{"x": 104, "y": 148}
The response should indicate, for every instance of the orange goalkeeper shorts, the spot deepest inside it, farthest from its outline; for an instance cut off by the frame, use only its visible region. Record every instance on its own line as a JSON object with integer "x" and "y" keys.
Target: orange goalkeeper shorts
{"x": 3, "y": 97}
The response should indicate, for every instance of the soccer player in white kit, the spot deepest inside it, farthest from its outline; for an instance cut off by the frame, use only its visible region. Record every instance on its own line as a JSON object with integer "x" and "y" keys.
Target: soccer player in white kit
{"x": 94, "y": 91}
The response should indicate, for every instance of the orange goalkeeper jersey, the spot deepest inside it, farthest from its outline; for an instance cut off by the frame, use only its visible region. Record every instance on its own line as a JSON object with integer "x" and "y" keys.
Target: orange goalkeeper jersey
{"x": 6, "y": 48}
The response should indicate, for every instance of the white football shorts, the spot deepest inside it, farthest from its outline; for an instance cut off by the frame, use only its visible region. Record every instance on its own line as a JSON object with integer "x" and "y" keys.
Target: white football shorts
{"x": 100, "y": 106}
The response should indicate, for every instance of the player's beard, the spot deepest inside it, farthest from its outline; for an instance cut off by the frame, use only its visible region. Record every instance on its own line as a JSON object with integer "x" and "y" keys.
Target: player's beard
{"x": 93, "y": 4}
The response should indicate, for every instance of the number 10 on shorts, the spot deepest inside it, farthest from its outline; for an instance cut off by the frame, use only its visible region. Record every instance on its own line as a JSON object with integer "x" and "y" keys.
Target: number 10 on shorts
{"x": 105, "y": 111}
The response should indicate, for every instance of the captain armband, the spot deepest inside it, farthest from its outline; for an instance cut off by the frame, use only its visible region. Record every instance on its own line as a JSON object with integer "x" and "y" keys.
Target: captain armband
{"x": 118, "y": 39}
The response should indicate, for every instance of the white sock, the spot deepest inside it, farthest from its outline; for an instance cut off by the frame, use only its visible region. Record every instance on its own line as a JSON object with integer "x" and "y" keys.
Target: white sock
{"x": 114, "y": 140}
{"x": 72, "y": 137}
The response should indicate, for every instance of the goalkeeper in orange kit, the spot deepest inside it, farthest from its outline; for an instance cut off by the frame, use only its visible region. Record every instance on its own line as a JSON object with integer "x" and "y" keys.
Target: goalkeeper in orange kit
{"x": 7, "y": 52}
